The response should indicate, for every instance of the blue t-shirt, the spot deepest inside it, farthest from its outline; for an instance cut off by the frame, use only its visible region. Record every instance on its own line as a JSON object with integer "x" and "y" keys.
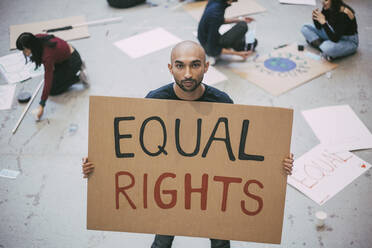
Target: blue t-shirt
{"x": 210, "y": 94}
{"x": 211, "y": 21}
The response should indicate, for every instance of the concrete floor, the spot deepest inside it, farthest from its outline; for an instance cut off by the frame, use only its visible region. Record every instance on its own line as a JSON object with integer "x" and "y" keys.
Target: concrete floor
{"x": 46, "y": 205}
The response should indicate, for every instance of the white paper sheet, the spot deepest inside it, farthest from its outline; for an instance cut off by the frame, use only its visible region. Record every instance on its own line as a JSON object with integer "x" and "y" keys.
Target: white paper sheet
{"x": 6, "y": 96}
{"x": 148, "y": 42}
{"x": 249, "y": 36}
{"x": 302, "y": 2}
{"x": 213, "y": 76}
{"x": 14, "y": 68}
{"x": 9, "y": 173}
{"x": 320, "y": 175}
{"x": 338, "y": 128}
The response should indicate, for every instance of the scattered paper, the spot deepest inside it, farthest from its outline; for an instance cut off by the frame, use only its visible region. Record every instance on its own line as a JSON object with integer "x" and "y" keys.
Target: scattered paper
{"x": 313, "y": 56}
{"x": 15, "y": 69}
{"x": 6, "y": 96}
{"x": 148, "y": 42}
{"x": 213, "y": 76}
{"x": 302, "y": 2}
{"x": 224, "y": 28}
{"x": 338, "y": 128}
{"x": 320, "y": 174}
{"x": 9, "y": 173}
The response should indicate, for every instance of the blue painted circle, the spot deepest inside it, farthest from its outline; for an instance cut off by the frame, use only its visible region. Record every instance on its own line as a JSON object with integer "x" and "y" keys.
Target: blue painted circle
{"x": 279, "y": 64}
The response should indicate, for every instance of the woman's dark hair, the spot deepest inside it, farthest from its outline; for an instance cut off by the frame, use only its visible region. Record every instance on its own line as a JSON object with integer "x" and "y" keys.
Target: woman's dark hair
{"x": 337, "y": 4}
{"x": 35, "y": 44}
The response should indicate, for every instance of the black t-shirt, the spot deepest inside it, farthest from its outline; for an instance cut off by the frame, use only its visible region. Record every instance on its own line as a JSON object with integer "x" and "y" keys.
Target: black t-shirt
{"x": 338, "y": 24}
{"x": 211, "y": 94}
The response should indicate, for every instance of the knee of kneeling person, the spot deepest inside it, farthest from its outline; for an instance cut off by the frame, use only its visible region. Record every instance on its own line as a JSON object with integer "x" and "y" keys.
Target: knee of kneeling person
{"x": 243, "y": 24}
{"x": 306, "y": 28}
{"x": 328, "y": 48}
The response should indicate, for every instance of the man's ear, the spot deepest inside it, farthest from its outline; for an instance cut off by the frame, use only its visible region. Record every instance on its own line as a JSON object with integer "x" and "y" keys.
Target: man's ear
{"x": 170, "y": 68}
{"x": 206, "y": 66}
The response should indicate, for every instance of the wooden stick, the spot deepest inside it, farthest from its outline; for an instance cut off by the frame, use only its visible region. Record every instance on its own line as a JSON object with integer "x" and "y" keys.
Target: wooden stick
{"x": 104, "y": 21}
{"x": 28, "y": 106}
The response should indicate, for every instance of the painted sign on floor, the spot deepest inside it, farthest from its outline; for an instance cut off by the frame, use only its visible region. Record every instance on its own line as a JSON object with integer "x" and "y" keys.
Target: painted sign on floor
{"x": 321, "y": 174}
{"x": 284, "y": 69}
{"x": 187, "y": 168}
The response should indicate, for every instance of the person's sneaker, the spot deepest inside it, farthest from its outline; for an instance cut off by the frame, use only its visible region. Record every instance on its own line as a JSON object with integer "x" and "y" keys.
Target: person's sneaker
{"x": 83, "y": 75}
{"x": 326, "y": 57}
{"x": 251, "y": 46}
{"x": 212, "y": 60}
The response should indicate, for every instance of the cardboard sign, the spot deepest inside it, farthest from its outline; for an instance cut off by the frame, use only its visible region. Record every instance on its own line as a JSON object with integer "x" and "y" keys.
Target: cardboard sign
{"x": 240, "y": 8}
{"x": 38, "y": 27}
{"x": 188, "y": 168}
{"x": 284, "y": 69}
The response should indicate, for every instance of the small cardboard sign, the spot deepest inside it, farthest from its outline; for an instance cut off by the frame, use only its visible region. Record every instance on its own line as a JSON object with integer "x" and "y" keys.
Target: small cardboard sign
{"x": 187, "y": 168}
{"x": 240, "y": 8}
{"x": 284, "y": 69}
{"x": 39, "y": 27}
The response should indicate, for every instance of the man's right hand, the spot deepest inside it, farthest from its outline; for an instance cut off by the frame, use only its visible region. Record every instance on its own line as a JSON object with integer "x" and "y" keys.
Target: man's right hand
{"x": 87, "y": 167}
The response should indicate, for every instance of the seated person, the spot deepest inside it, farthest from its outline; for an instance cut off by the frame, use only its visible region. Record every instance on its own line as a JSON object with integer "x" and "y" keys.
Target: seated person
{"x": 233, "y": 41}
{"x": 335, "y": 30}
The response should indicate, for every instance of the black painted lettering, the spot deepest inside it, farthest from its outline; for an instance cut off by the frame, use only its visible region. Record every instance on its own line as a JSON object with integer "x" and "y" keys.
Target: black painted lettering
{"x": 119, "y": 136}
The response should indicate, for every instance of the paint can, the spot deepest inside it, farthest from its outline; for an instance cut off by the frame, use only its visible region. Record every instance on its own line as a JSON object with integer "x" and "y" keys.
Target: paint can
{"x": 24, "y": 97}
{"x": 320, "y": 217}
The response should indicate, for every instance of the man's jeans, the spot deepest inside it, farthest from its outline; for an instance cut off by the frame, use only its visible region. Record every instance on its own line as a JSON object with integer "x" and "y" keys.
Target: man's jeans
{"x": 235, "y": 37}
{"x": 345, "y": 46}
{"x": 165, "y": 241}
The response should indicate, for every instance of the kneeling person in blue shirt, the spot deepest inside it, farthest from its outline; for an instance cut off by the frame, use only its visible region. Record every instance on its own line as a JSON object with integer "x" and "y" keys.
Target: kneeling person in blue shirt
{"x": 233, "y": 41}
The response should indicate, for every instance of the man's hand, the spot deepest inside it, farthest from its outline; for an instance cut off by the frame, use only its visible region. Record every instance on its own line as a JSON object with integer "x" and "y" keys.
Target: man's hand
{"x": 318, "y": 16}
{"x": 288, "y": 164}
{"x": 87, "y": 167}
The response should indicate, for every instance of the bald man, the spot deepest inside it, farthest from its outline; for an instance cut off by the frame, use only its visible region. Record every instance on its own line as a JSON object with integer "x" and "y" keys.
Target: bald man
{"x": 187, "y": 65}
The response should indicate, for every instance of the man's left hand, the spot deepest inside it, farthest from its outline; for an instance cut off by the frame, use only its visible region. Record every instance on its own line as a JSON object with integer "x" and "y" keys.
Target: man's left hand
{"x": 288, "y": 164}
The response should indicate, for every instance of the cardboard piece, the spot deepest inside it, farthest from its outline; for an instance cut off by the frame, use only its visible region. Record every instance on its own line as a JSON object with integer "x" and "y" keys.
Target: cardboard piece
{"x": 299, "y": 2}
{"x": 12, "y": 174}
{"x": 320, "y": 175}
{"x": 38, "y": 27}
{"x": 338, "y": 128}
{"x": 15, "y": 69}
{"x": 141, "y": 181}
{"x": 240, "y": 8}
{"x": 6, "y": 96}
{"x": 283, "y": 69}
{"x": 140, "y": 45}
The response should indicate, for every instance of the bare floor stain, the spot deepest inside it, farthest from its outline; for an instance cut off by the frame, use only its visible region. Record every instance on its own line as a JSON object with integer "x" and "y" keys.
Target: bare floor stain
{"x": 36, "y": 196}
{"x": 324, "y": 228}
{"x": 309, "y": 211}
{"x": 367, "y": 175}
{"x": 290, "y": 218}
